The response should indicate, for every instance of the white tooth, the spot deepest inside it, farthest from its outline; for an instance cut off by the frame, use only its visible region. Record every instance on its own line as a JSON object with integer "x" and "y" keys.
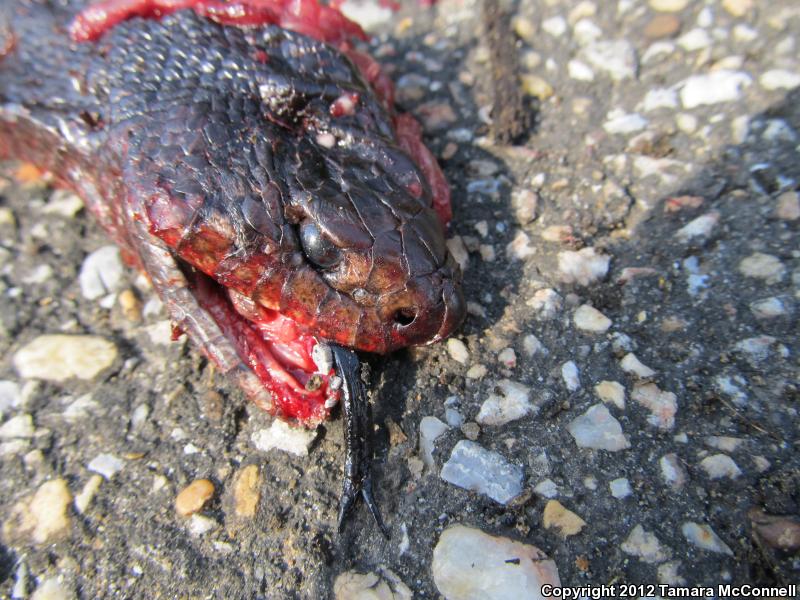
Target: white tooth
{"x": 331, "y": 402}
{"x": 323, "y": 357}
{"x": 334, "y": 382}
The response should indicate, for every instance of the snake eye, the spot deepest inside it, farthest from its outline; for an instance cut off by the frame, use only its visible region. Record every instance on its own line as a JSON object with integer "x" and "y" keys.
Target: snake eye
{"x": 318, "y": 249}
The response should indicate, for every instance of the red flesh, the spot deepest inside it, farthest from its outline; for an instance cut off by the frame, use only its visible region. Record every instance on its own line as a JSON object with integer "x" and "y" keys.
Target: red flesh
{"x": 270, "y": 343}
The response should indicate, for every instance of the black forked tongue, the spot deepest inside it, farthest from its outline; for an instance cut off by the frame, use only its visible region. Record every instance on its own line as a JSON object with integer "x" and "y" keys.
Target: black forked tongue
{"x": 358, "y": 455}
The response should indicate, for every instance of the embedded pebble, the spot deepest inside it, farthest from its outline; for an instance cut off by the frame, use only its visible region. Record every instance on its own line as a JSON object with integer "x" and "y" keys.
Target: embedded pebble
{"x": 508, "y": 358}
{"x": 719, "y": 466}
{"x": 615, "y": 57}
{"x": 477, "y": 371}
{"x": 779, "y": 79}
{"x": 20, "y": 426}
{"x": 732, "y": 388}
{"x": 763, "y": 266}
{"x": 10, "y": 396}
{"x": 758, "y": 348}
{"x": 546, "y": 489}
{"x": 546, "y": 303}
{"x": 52, "y": 589}
{"x": 631, "y": 364}
{"x": 459, "y": 251}
{"x": 620, "y": 488}
{"x": 588, "y": 318}
{"x": 580, "y": 71}
{"x": 509, "y": 400}
{"x": 43, "y": 517}
{"x": 101, "y": 273}
{"x": 520, "y": 247}
{"x": 737, "y": 8}
{"x": 585, "y": 32}
{"x": 582, "y": 267}
{"x": 723, "y": 442}
{"x": 63, "y": 203}
{"x": 571, "y": 376}
{"x": 672, "y": 471}
{"x": 611, "y": 392}
{"x": 564, "y": 520}
{"x": 474, "y": 468}
{"x": 458, "y": 350}
{"x": 598, "y": 429}
{"x": 702, "y": 226}
{"x": 469, "y": 564}
{"x": 768, "y": 308}
{"x": 536, "y": 87}
{"x": 430, "y": 429}
{"x": 106, "y": 465}
{"x": 781, "y": 532}
{"x": 660, "y": 98}
{"x": 555, "y": 26}
{"x": 247, "y": 491}
{"x": 788, "y": 206}
{"x": 193, "y": 497}
{"x": 662, "y": 26}
{"x": 662, "y": 405}
{"x": 619, "y": 122}
{"x": 668, "y": 5}
{"x": 704, "y": 537}
{"x": 471, "y": 430}
{"x": 283, "y": 437}
{"x": 453, "y": 417}
{"x": 531, "y": 345}
{"x": 383, "y": 585}
{"x": 84, "y": 498}
{"x": 644, "y": 545}
{"x": 696, "y": 39}
{"x": 713, "y": 88}
{"x": 198, "y": 525}
{"x": 59, "y": 357}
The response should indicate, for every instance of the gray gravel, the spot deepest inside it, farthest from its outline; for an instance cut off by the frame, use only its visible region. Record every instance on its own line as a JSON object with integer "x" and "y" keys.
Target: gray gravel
{"x": 633, "y": 264}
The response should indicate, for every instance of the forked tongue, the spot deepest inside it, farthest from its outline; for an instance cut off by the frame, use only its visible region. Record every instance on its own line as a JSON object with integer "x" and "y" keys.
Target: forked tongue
{"x": 357, "y": 426}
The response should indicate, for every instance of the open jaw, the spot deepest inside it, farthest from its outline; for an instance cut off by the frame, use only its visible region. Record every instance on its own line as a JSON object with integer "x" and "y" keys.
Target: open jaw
{"x": 295, "y": 368}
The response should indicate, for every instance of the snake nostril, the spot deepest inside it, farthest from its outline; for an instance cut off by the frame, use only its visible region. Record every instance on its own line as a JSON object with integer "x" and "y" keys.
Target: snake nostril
{"x": 405, "y": 316}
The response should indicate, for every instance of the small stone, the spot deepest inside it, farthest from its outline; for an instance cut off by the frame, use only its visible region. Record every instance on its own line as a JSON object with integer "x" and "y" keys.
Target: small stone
{"x": 618, "y": 122}
{"x": 780, "y": 532}
{"x": 611, "y": 392}
{"x": 283, "y": 437}
{"x": 788, "y": 205}
{"x": 555, "y": 26}
{"x": 620, "y": 488}
{"x": 471, "y": 430}
{"x": 658, "y": 98}
{"x": 20, "y": 426}
{"x": 532, "y": 346}
{"x": 662, "y": 26}
{"x": 520, "y": 247}
{"x": 704, "y": 537}
{"x": 477, "y": 371}
{"x": 557, "y": 233}
{"x": 738, "y": 8}
{"x": 508, "y": 358}
{"x": 668, "y": 5}
{"x": 580, "y": 71}
{"x": 585, "y": 32}
{"x": 597, "y": 429}
{"x": 723, "y": 442}
{"x": 702, "y": 226}
{"x": 719, "y": 466}
{"x": 383, "y": 585}
{"x": 60, "y": 357}
{"x": 52, "y": 589}
{"x": 198, "y": 525}
{"x": 106, "y": 465}
{"x": 525, "y": 203}
{"x": 687, "y": 123}
{"x": 458, "y": 350}
{"x": 668, "y": 574}
{"x": 588, "y": 318}
{"x": 768, "y": 308}
{"x": 644, "y": 545}
{"x": 696, "y": 39}
{"x": 453, "y": 418}
{"x": 131, "y": 305}
{"x": 631, "y": 364}
{"x": 470, "y": 565}
{"x": 43, "y": 517}
{"x": 546, "y": 489}
{"x": 436, "y": 116}
{"x": 615, "y": 57}
{"x": 102, "y": 273}
{"x": 763, "y": 266}
{"x": 477, "y": 469}
{"x": 10, "y": 397}
{"x": 247, "y": 491}
{"x": 571, "y": 376}
{"x": 713, "y": 88}
{"x": 86, "y": 495}
{"x": 566, "y": 521}
{"x": 672, "y": 471}
{"x": 193, "y": 497}
{"x": 430, "y": 429}
{"x": 662, "y": 405}
{"x": 536, "y": 87}
{"x": 582, "y": 267}
{"x": 779, "y": 79}
{"x": 456, "y": 247}
{"x": 509, "y": 401}
{"x": 756, "y": 349}
{"x": 546, "y": 303}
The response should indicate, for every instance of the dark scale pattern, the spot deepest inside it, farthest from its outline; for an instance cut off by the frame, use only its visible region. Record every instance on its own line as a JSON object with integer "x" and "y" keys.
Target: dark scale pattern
{"x": 218, "y": 146}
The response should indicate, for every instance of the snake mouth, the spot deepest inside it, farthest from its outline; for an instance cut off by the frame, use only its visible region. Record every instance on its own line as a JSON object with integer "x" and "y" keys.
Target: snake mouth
{"x": 294, "y": 367}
